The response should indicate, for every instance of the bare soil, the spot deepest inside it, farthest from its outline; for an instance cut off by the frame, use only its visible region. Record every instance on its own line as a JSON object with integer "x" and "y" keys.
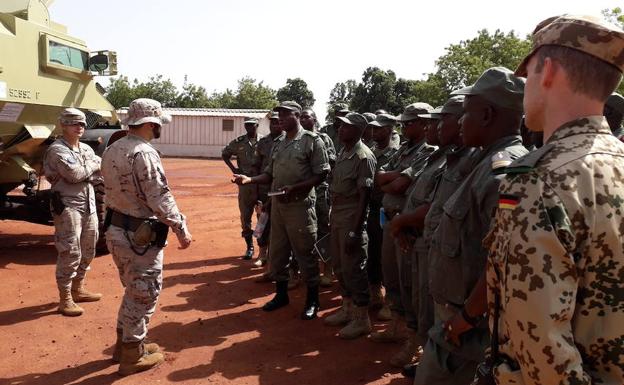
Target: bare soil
{"x": 208, "y": 319}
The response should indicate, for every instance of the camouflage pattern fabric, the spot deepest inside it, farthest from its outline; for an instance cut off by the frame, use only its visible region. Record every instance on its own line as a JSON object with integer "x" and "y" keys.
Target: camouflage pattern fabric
{"x": 556, "y": 259}
{"x": 353, "y": 170}
{"x": 136, "y": 185}
{"x": 75, "y": 236}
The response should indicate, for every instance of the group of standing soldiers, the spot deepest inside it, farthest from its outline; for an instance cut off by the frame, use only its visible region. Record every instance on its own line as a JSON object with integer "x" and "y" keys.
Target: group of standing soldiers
{"x": 479, "y": 242}
{"x": 476, "y": 233}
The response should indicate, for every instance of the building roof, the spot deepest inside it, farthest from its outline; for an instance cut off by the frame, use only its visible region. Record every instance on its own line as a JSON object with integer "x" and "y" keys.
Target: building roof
{"x": 225, "y": 112}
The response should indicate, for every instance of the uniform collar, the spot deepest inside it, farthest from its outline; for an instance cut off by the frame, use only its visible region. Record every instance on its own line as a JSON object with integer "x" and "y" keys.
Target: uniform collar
{"x": 350, "y": 154}
{"x": 596, "y": 124}
{"x": 66, "y": 143}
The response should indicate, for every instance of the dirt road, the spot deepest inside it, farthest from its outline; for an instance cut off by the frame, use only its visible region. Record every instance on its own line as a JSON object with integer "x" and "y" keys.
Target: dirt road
{"x": 208, "y": 318}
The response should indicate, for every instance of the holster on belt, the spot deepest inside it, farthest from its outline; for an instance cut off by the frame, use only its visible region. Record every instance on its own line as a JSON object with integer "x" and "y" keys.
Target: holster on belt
{"x": 147, "y": 231}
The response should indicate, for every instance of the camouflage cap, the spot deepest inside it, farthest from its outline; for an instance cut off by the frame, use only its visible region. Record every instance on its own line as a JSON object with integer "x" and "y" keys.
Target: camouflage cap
{"x": 369, "y": 116}
{"x": 616, "y": 102}
{"x": 250, "y": 120}
{"x": 71, "y": 116}
{"x": 587, "y": 34}
{"x": 145, "y": 111}
{"x": 354, "y": 119}
{"x": 384, "y": 120}
{"x": 288, "y": 105}
{"x": 499, "y": 86}
{"x": 274, "y": 115}
{"x": 412, "y": 111}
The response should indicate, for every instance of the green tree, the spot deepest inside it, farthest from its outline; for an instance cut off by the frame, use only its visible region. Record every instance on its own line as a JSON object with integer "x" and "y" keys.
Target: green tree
{"x": 464, "y": 62}
{"x": 192, "y": 96}
{"x": 615, "y": 16}
{"x": 296, "y": 89}
{"x": 120, "y": 92}
{"x": 157, "y": 88}
{"x": 375, "y": 91}
{"x": 248, "y": 95}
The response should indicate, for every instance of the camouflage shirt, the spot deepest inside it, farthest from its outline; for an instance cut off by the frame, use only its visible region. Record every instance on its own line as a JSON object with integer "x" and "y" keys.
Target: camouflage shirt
{"x": 244, "y": 149}
{"x": 557, "y": 260}
{"x": 70, "y": 172}
{"x": 136, "y": 184}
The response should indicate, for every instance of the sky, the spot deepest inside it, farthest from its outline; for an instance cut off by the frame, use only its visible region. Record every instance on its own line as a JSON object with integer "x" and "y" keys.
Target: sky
{"x": 215, "y": 43}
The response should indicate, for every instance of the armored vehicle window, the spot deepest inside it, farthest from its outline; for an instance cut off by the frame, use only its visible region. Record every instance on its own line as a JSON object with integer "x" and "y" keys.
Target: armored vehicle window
{"x": 68, "y": 56}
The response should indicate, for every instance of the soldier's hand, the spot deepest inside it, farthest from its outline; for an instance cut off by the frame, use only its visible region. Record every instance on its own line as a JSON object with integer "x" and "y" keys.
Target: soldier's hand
{"x": 455, "y": 327}
{"x": 240, "y": 179}
{"x": 185, "y": 240}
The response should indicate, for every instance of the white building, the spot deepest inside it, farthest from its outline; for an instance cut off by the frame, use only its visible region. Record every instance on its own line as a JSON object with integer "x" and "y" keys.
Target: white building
{"x": 203, "y": 132}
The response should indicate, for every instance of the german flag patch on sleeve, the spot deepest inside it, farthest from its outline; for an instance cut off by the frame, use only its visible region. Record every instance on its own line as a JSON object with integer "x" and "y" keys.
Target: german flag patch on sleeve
{"x": 508, "y": 202}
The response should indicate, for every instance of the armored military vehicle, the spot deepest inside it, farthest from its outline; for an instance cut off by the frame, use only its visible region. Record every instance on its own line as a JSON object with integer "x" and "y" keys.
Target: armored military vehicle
{"x": 43, "y": 70}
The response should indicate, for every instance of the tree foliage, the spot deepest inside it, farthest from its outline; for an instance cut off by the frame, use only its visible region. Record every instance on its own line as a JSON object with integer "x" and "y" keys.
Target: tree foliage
{"x": 461, "y": 65}
{"x": 615, "y": 16}
{"x": 296, "y": 89}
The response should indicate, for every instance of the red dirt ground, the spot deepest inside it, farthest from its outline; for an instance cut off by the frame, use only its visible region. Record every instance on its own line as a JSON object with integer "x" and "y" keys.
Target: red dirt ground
{"x": 208, "y": 318}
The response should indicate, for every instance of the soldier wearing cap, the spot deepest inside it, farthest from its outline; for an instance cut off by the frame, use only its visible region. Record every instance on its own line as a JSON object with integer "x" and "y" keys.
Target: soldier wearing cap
{"x": 71, "y": 167}
{"x": 556, "y": 258}
{"x": 351, "y": 183}
{"x": 458, "y": 338}
{"x": 309, "y": 122}
{"x": 264, "y": 149}
{"x": 384, "y": 147}
{"x": 244, "y": 148}
{"x": 614, "y": 113}
{"x": 140, "y": 209}
{"x": 367, "y": 137}
{"x": 297, "y": 165}
{"x": 338, "y": 110}
{"x": 395, "y": 265}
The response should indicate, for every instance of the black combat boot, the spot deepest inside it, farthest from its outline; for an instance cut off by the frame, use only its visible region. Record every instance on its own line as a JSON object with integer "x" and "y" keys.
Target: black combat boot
{"x": 280, "y": 299}
{"x": 250, "y": 247}
{"x": 312, "y": 303}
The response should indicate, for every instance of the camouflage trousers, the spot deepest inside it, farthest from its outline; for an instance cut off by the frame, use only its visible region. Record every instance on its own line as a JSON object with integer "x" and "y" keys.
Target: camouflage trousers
{"x": 141, "y": 277}
{"x": 75, "y": 236}
{"x": 247, "y": 200}
{"x": 350, "y": 268}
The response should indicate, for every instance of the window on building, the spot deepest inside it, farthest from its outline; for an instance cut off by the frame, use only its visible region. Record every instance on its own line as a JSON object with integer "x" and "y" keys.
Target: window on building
{"x": 228, "y": 125}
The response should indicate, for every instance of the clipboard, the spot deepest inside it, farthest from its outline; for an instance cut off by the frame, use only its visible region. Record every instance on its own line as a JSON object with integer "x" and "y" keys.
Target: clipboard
{"x": 321, "y": 248}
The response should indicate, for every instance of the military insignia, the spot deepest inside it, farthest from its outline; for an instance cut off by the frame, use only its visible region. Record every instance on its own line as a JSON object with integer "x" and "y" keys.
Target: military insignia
{"x": 501, "y": 160}
{"x": 508, "y": 202}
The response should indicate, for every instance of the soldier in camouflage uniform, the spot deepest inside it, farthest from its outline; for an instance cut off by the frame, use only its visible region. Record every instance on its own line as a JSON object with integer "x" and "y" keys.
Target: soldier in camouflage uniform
{"x": 139, "y": 204}
{"x": 351, "y": 183}
{"x": 383, "y": 149}
{"x": 395, "y": 262}
{"x": 244, "y": 148}
{"x": 264, "y": 150}
{"x": 338, "y": 110}
{"x": 298, "y": 164}
{"x": 71, "y": 167}
{"x": 614, "y": 112}
{"x": 556, "y": 258}
{"x": 309, "y": 122}
{"x": 458, "y": 338}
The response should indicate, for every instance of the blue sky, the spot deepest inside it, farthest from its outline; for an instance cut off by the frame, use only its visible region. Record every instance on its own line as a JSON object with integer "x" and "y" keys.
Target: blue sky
{"x": 215, "y": 43}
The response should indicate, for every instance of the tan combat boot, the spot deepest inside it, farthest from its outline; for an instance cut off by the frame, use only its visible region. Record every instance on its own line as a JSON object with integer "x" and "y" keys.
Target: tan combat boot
{"x": 408, "y": 351}
{"x": 359, "y": 325}
{"x": 395, "y": 332}
{"x": 149, "y": 347}
{"x": 67, "y": 306}
{"x": 80, "y": 294}
{"x": 342, "y": 316}
{"x": 134, "y": 358}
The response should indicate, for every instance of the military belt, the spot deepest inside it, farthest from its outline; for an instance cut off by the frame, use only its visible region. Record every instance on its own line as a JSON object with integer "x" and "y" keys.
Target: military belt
{"x": 124, "y": 221}
{"x": 293, "y": 197}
